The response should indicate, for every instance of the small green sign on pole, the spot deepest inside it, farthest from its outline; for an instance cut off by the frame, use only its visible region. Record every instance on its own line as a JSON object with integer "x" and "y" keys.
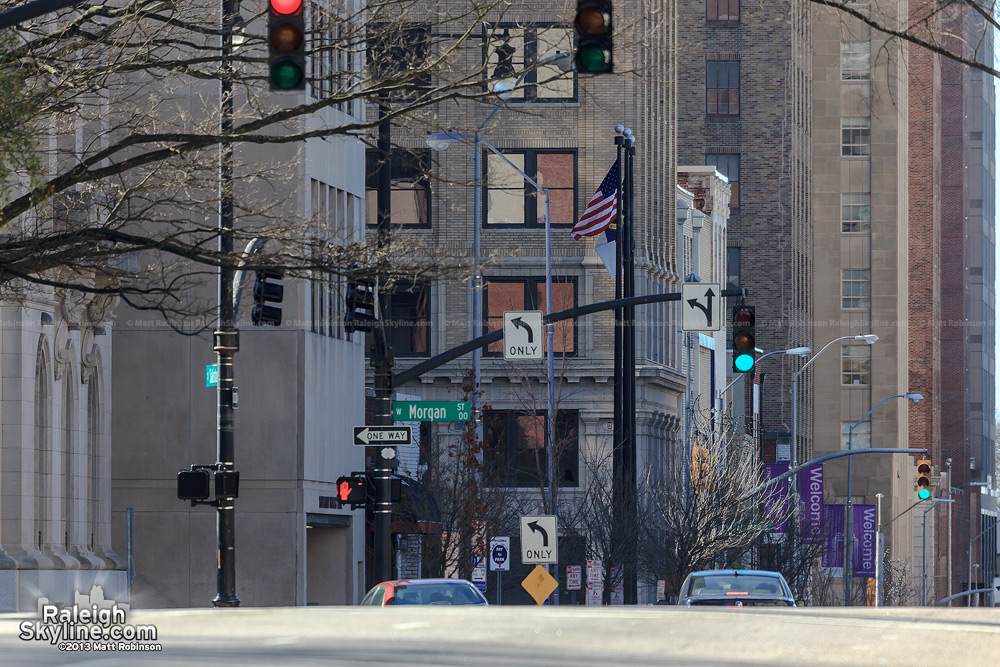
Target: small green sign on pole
{"x": 211, "y": 375}
{"x": 431, "y": 411}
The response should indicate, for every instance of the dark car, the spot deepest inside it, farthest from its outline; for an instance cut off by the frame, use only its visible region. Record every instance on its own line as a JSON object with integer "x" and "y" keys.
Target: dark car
{"x": 736, "y": 588}
{"x": 423, "y": 591}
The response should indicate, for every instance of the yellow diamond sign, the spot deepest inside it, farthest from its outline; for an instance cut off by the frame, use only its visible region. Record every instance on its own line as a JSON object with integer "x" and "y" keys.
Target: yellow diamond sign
{"x": 539, "y": 584}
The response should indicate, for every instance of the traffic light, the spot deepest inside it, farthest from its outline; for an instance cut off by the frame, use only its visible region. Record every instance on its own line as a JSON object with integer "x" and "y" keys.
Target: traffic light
{"x": 360, "y": 312}
{"x": 923, "y": 479}
{"x": 352, "y": 490}
{"x": 266, "y": 291}
{"x": 744, "y": 342}
{"x": 594, "y": 48}
{"x": 286, "y": 44}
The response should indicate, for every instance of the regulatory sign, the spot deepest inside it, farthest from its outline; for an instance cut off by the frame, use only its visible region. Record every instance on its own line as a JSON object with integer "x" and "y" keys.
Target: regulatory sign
{"x": 431, "y": 411}
{"x": 370, "y": 436}
{"x": 574, "y": 577}
{"x": 701, "y": 307}
{"x": 499, "y": 554}
{"x": 539, "y": 543}
{"x": 522, "y": 334}
{"x": 479, "y": 573}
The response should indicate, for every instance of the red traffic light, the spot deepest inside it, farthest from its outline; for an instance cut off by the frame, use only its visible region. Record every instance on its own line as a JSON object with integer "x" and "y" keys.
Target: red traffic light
{"x": 286, "y": 7}
{"x": 592, "y": 20}
{"x": 743, "y": 317}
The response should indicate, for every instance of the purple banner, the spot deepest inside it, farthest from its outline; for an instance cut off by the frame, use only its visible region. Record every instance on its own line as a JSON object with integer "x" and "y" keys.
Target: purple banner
{"x": 833, "y": 545}
{"x": 811, "y": 494}
{"x": 863, "y": 550}
{"x": 775, "y": 502}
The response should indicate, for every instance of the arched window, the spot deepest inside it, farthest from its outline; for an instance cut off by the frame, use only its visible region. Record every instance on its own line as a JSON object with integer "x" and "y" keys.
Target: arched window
{"x": 94, "y": 459}
{"x": 70, "y": 472}
{"x": 43, "y": 449}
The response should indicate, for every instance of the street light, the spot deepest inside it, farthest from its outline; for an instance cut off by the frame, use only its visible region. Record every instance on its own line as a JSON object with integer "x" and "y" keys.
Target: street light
{"x": 441, "y": 141}
{"x": 868, "y": 338}
{"x": 849, "y": 528}
{"x": 981, "y": 533}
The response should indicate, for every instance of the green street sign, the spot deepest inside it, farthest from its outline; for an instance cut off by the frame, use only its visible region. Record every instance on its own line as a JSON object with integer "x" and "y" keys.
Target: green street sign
{"x": 211, "y": 375}
{"x": 431, "y": 411}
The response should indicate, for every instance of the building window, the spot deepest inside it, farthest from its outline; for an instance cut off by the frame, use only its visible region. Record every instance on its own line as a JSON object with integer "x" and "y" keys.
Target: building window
{"x": 733, "y": 257}
{"x": 854, "y": 61}
{"x": 511, "y": 49}
{"x": 722, "y": 88}
{"x": 856, "y": 364}
{"x": 411, "y": 321}
{"x": 856, "y": 136}
{"x": 515, "y": 448}
{"x": 511, "y": 200}
{"x": 397, "y": 53}
{"x": 503, "y": 294}
{"x": 728, "y": 164}
{"x": 860, "y": 439}
{"x": 722, "y": 11}
{"x": 855, "y": 288}
{"x": 855, "y": 212}
{"x": 410, "y": 187}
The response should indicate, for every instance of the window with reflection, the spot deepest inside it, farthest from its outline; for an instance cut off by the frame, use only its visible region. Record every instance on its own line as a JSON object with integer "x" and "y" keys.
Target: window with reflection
{"x": 501, "y": 294}
{"x": 410, "y": 187}
{"x": 512, "y": 50}
{"x": 511, "y": 200}
{"x": 515, "y": 448}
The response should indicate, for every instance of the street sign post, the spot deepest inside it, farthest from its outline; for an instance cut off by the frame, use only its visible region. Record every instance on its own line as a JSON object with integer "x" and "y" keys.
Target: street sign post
{"x": 371, "y": 436}
{"x": 431, "y": 411}
{"x": 539, "y": 542}
{"x": 701, "y": 307}
{"x": 499, "y": 559}
{"x": 522, "y": 335}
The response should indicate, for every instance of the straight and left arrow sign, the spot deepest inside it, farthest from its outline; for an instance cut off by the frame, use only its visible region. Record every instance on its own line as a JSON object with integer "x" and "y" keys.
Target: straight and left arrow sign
{"x": 365, "y": 436}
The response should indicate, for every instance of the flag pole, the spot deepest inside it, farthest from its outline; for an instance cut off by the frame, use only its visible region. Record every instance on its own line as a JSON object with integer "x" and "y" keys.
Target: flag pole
{"x": 618, "y": 534}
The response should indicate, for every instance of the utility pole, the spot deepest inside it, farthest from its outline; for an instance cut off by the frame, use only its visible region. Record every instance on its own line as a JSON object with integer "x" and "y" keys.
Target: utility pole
{"x": 226, "y": 336}
{"x": 628, "y": 371}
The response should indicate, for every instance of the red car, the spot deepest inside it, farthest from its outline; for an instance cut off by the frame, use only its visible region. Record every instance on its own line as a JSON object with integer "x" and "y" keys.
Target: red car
{"x": 423, "y": 591}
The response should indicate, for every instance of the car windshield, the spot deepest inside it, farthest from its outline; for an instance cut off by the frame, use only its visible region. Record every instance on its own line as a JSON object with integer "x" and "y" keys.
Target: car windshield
{"x": 736, "y": 584}
{"x": 436, "y": 594}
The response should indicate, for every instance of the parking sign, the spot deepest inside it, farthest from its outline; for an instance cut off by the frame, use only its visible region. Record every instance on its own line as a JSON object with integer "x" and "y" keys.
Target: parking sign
{"x": 499, "y": 554}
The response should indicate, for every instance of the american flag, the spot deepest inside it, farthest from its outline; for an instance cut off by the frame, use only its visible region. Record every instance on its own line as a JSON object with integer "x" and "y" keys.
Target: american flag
{"x": 602, "y": 209}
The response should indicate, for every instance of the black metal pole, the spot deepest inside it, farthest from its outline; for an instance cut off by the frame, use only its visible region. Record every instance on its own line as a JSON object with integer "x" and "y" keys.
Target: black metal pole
{"x": 226, "y": 339}
{"x": 628, "y": 380}
{"x": 382, "y": 362}
{"x": 618, "y": 528}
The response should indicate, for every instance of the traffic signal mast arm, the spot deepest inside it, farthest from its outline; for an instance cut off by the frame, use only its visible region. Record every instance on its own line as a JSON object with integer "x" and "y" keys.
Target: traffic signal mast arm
{"x": 416, "y": 371}
{"x": 828, "y": 457}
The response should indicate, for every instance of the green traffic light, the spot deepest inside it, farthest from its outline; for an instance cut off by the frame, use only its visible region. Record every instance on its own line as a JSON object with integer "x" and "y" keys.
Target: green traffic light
{"x": 592, "y": 59}
{"x": 923, "y": 494}
{"x": 744, "y": 363}
{"x": 286, "y": 74}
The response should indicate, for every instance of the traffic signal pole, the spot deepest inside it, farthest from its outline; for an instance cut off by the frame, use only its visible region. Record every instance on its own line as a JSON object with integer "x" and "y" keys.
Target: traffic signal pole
{"x": 382, "y": 362}
{"x": 226, "y": 337}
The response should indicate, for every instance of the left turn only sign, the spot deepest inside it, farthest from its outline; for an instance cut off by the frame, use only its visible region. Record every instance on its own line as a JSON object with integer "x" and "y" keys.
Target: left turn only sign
{"x": 522, "y": 334}
{"x": 372, "y": 436}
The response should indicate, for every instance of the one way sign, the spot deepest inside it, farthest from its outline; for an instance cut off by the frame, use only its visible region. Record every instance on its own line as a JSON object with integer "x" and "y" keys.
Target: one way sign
{"x": 365, "y": 436}
{"x": 701, "y": 307}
